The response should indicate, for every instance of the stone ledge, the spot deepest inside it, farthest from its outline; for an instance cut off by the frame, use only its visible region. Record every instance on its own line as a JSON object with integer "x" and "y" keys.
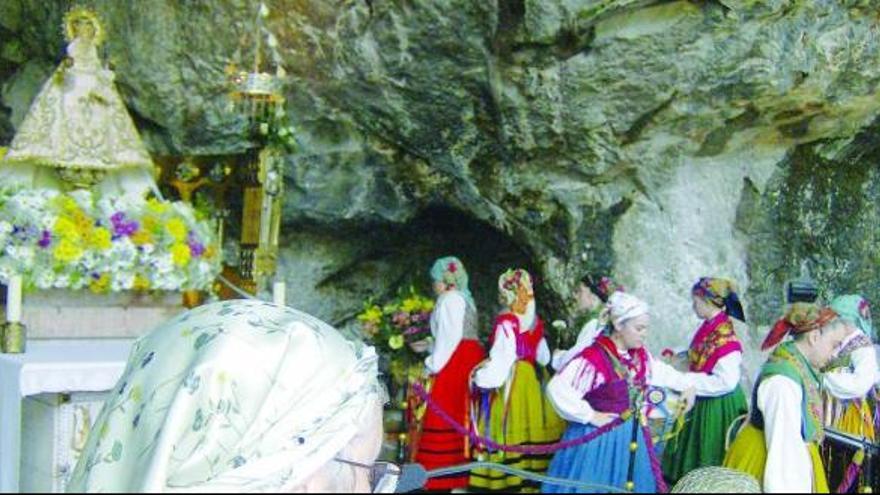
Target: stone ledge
{"x": 71, "y": 314}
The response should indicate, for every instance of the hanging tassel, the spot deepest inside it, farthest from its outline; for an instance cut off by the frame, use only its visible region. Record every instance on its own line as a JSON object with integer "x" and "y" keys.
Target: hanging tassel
{"x": 852, "y": 472}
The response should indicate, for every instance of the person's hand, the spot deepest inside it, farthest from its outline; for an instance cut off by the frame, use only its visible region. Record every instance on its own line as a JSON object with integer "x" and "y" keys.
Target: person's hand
{"x": 689, "y": 397}
{"x": 601, "y": 419}
{"x": 420, "y": 346}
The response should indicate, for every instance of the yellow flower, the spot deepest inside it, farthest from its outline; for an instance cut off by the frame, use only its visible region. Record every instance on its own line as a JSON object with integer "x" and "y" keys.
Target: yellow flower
{"x": 101, "y": 239}
{"x": 373, "y": 315}
{"x": 210, "y": 252}
{"x": 181, "y": 254}
{"x": 100, "y": 285}
{"x": 3, "y": 150}
{"x": 65, "y": 228}
{"x": 396, "y": 342}
{"x": 411, "y": 304}
{"x": 156, "y": 206}
{"x": 141, "y": 283}
{"x": 66, "y": 203}
{"x": 84, "y": 224}
{"x": 67, "y": 251}
{"x": 427, "y": 305}
{"x": 151, "y": 224}
{"x": 142, "y": 237}
{"x": 177, "y": 229}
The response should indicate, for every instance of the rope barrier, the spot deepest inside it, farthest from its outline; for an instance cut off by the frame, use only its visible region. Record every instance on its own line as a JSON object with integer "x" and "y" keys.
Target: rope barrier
{"x": 490, "y": 444}
{"x": 477, "y": 440}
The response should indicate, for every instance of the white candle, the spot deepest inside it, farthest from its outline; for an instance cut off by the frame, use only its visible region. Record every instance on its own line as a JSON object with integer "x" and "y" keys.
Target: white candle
{"x": 279, "y": 293}
{"x": 13, "y": 299}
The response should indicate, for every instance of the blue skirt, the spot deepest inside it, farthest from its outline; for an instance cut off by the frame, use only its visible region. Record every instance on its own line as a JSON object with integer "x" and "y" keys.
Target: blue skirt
{"x": 604, "y": 461}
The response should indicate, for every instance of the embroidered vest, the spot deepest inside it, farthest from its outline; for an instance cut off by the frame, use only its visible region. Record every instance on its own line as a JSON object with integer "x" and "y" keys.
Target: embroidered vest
{"x": 788, "y": 361}
{"x": 623, "y": 381}
{"x": 526, "y": 342}
{"x": 715, "y": 339}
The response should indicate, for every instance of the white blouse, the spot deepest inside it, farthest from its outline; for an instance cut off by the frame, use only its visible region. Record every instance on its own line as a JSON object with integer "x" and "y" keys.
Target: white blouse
{"x": 723, "y": 379}
{"x": 447, "y": 328}
{"x": 566, "y": 390}
{"x": 855, "y": 382}
{"x": 496, "y": 372}
{"x": 789, "y": 468}
{"x": 585, "y": 339}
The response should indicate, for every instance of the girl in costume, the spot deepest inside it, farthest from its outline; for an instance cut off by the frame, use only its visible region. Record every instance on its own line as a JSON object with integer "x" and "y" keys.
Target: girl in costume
{"x": 599, "y": 390}
{"x": 780, "y": 444}
{"x": 514, "y": 410}
{"x": 715, "y": 359}
{"x": 851, "y": 376}
{"x": 592, "y": 295}
{"x": 455, "y": 354}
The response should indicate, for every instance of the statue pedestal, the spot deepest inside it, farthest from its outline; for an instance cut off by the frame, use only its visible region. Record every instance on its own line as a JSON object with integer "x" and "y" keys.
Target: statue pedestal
{"x": 61, "y": 314}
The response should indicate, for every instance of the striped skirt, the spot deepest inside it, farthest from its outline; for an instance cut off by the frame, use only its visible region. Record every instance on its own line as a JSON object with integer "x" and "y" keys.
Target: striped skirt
{"x": 523, "y": 417}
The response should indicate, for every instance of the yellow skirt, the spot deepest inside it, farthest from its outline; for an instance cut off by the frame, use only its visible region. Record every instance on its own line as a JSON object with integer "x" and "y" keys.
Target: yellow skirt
{"x": 525, "y": 417}
{"x": 748, "y": 454}
{"x": 857, "y": 419}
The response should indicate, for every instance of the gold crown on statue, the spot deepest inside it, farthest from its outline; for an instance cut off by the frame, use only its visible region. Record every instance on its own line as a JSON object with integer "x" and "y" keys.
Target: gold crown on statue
{"x": 80, "y": 14}
{"x": 257, "y": 86}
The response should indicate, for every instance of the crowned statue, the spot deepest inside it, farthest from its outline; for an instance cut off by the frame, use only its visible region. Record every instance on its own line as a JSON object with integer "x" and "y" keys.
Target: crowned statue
{"x": 77, "y": 133}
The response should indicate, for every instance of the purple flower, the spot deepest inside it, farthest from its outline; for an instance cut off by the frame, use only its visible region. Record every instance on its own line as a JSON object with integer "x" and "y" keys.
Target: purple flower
{"x": 121, "y": 227}
{"x": 45, "y": 240}
{"x": 195, "y": 247}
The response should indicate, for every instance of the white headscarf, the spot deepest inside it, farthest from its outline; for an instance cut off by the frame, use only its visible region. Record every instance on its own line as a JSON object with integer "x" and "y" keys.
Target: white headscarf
{"x": 623, "y": 306}
{"x": 239, "y": 396}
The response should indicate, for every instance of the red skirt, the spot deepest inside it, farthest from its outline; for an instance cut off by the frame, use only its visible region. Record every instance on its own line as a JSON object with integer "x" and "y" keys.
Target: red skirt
{"x": 440, "y": 445}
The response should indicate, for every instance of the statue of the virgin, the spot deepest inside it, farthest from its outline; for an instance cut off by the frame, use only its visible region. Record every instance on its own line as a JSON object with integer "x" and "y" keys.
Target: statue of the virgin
{"x": 77, "y": 133}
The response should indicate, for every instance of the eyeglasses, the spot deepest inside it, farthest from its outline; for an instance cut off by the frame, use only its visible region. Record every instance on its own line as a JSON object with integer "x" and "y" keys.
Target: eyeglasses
{"x": 379, "y": 472}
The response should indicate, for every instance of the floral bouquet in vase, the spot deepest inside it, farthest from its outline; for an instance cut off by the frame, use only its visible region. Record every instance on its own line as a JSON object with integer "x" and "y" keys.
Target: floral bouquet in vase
{"x": 397, "y": 328}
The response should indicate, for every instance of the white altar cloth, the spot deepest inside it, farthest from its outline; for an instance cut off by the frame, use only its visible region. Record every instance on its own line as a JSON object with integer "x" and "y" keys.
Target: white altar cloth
{"x": 51, "y": 366}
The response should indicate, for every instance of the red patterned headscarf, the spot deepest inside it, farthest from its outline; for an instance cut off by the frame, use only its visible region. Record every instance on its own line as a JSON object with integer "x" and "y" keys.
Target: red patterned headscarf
{"x": 801, "y": 318}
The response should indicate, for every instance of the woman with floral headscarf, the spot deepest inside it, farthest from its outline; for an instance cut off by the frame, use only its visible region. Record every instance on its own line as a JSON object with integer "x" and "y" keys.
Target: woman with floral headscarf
{"x": 780, "y": 444}
{"x": 455, "y": 354}
{"x": 514, "y": 410}
{"x": 592, "y": 294}
{"x": 606, "y": 388}
{"x": 715, "y": 359}
{"x": 239, "y": 396}
{"x": 851, "y": 376}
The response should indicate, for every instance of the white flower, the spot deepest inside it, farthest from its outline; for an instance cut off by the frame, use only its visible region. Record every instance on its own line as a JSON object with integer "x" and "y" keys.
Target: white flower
{"x": 62, "y": 281}
{"x": 44, "y": 279}
{"x": 560, "y": 325}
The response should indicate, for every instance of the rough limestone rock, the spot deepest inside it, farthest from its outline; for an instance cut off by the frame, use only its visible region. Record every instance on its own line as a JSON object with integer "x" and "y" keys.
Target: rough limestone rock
{"x": 655, "y": 140}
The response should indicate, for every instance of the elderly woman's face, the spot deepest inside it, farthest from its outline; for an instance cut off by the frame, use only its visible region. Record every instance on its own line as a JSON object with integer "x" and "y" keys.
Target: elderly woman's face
{"x": 364, "y": 448}
{"x": 634, "y": 332}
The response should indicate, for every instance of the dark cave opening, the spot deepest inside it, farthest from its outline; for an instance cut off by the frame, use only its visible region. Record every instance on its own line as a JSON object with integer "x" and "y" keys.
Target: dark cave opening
{"x": 402, "y": 255}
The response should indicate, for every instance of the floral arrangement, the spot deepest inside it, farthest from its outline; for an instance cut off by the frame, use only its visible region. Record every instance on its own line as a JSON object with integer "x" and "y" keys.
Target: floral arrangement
{"x": 390, "y": 327}
{"x": 80, "y": 240}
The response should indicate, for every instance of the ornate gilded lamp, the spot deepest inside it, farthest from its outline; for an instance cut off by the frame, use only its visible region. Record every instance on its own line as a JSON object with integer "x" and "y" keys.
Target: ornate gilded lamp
{"x": 259, "y": 96}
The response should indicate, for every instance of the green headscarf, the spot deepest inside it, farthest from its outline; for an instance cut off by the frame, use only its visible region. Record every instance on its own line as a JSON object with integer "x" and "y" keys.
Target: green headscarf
{"x": 450, "y": 271}
{"x": 856, "y": 310}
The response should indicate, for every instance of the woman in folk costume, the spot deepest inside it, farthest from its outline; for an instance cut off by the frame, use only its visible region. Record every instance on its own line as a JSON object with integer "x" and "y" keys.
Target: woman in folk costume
{"x": 514, "y": 410}
{"x": 851, "y": 376}
{"x": 455, "y": 354}
{"x": 715, "y": 358}
{"x": 592, "y": 294}
{"x": 599, "y": 391}
{"x": 780, "y": 444}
